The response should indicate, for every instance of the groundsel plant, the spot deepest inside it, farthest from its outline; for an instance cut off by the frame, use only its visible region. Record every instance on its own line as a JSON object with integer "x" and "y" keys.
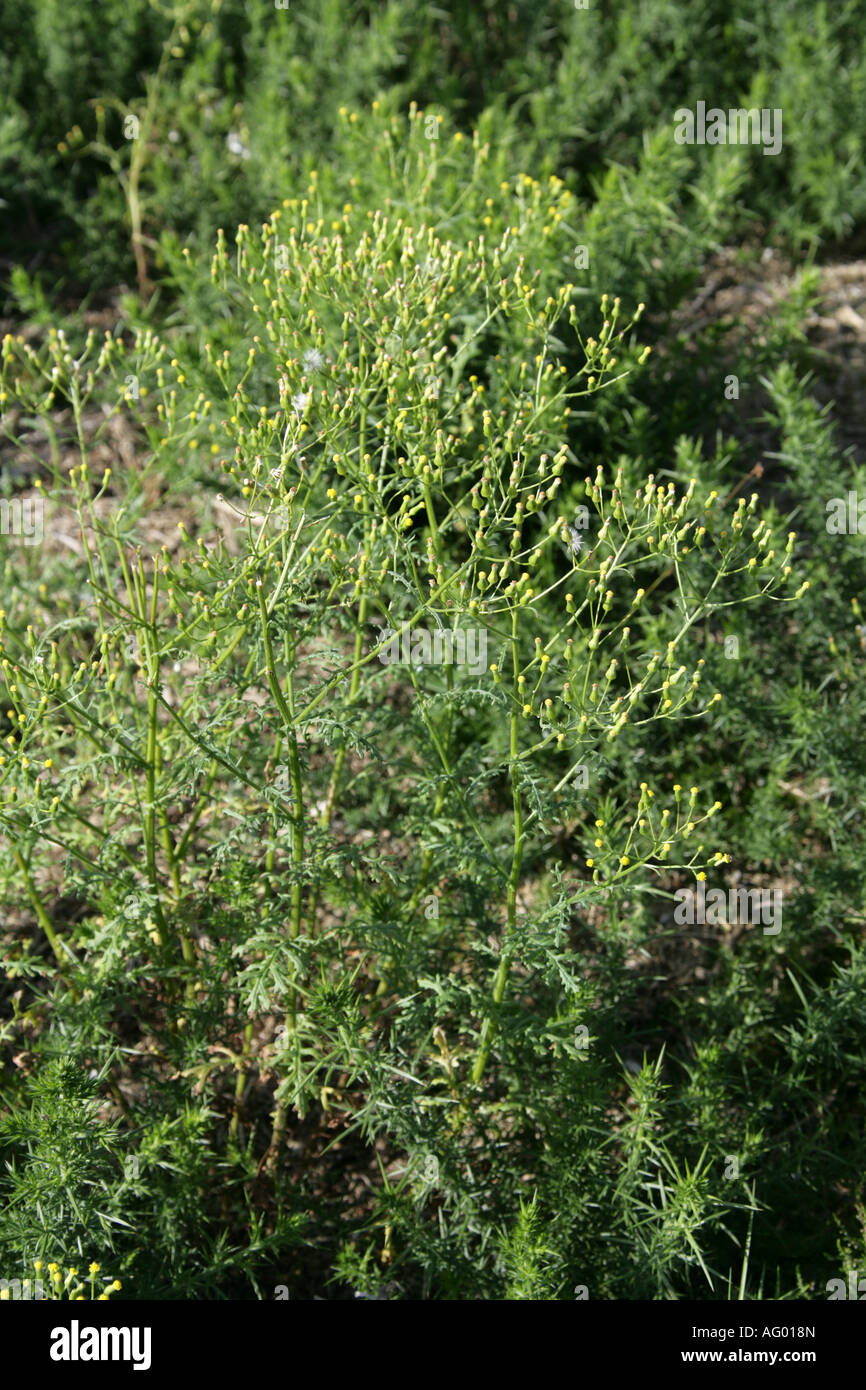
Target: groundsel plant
{"x": 313, "y": 874}
{"x": 51, "y": 1283}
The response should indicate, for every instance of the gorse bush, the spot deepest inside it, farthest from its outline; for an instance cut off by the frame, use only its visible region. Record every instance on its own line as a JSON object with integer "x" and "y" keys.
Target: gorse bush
{"x": 318, "y": 874}
{"x": 148, "y": 121}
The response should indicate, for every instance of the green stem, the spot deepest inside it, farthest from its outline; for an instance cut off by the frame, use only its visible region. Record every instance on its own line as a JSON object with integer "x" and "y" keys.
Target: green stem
{"x": 239, "y": 1085}
{"x": 337, "y": 771}
{"x": 41, "y": 915}
{"x": 151, "y": 755}
{"x": 501, "y": 978}
{"x": 287, "y": 715}
{"x": 150, "y": 814}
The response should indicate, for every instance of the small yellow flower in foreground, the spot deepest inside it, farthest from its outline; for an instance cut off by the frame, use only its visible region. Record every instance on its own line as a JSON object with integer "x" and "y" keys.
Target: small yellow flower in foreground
{"x": 37, "y": 1264}
{"x": 624, "y": 859}
{"x": 677, "y": 787}
{"x": 589, "y": 863}
{"x": 116, "y": 1285}
{"x": 93, "y": 1268}
{"x": 598, "y": 843}
{"x": 701, "y": 877}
